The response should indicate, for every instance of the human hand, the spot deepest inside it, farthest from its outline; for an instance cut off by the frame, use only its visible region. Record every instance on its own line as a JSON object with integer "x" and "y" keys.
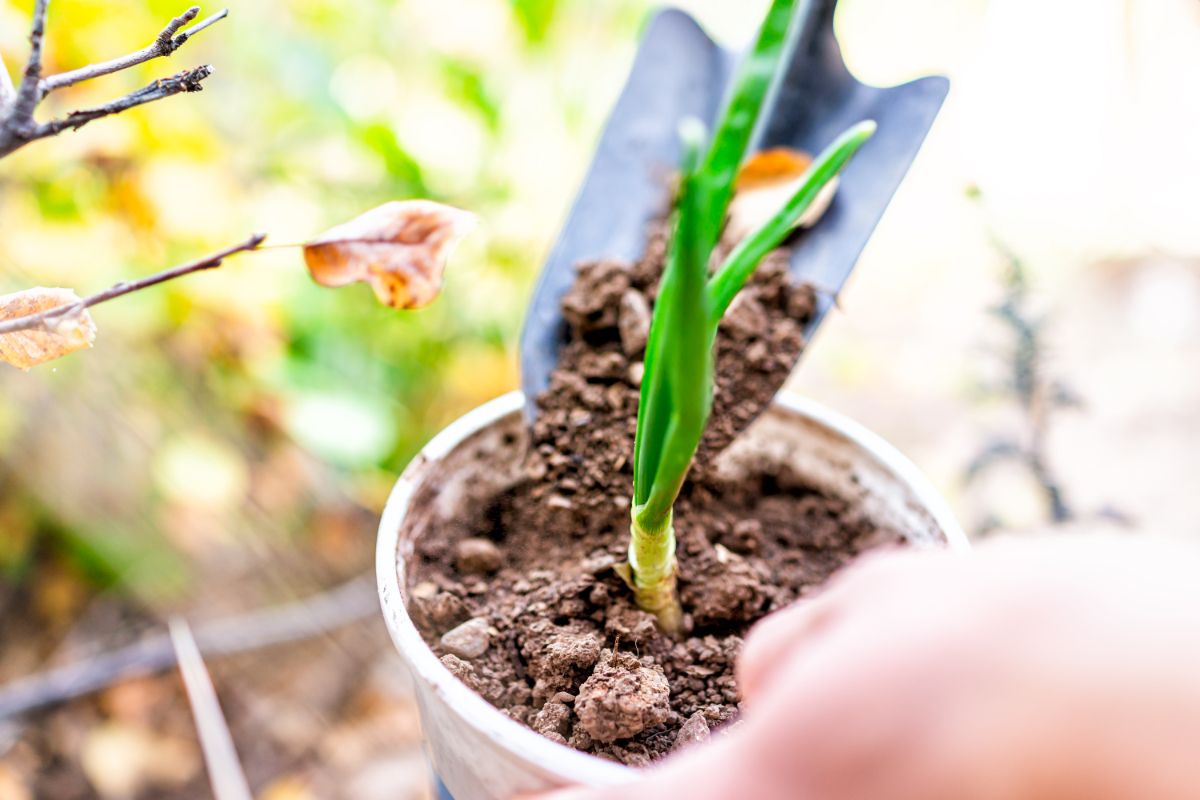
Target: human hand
{"x": 1045, "y": 669}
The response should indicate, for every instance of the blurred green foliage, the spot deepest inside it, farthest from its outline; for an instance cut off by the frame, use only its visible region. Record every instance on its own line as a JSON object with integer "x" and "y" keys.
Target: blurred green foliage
{"x": 535, "y": 17}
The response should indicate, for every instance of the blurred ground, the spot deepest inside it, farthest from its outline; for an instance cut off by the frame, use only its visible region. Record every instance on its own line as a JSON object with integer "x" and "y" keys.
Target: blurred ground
{"x": 230, "y": 440}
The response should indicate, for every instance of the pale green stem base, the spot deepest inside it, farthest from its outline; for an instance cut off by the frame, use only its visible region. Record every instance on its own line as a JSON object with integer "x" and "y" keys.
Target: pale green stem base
{"x": 652, "y": 567}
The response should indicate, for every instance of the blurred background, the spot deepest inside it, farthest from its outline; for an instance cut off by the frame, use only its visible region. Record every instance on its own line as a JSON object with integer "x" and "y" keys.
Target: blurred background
{"x": 1025, "y": 324}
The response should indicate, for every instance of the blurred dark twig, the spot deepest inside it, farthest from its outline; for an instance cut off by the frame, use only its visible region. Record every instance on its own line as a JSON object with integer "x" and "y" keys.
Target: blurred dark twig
{"x": 303, "y": 619}
{"x": 18, "y": 104}
{"x": 46, "y": 320}
{"x": 1038, "y": 396}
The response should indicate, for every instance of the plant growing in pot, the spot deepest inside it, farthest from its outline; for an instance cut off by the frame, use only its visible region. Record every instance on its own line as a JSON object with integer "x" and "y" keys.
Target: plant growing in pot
{"x": 529, "y": 573}
{"x": 676, "y": 388}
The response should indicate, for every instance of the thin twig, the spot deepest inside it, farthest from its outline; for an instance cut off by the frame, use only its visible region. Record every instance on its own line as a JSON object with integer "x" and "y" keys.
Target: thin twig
{"x": 27, "y": 93}
{"x": 303, "y": 619}
{"x": 46, "y": 320}
{"x": 17, "y": 124}
{"x": 201, "y": 25}
{"x": 225, "y": 773}
{"x": 166, "y": 43}
{"x": 186, "y": 81}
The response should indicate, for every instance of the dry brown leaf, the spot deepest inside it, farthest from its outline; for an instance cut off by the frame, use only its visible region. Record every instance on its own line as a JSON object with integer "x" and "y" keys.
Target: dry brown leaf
{"x": 771, "y": 166}
{"x": 400, "y": 248}
{"x": 25, "y": 349}
{"x": 768, "y": 180}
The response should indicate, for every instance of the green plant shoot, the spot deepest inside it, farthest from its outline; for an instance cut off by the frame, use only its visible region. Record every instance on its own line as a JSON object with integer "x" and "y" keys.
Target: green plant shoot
{"x": 676, "y": 392}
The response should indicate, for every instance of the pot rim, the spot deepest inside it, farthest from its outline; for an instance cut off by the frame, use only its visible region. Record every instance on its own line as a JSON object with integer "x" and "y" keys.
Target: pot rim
{"x": 565, "y": 763}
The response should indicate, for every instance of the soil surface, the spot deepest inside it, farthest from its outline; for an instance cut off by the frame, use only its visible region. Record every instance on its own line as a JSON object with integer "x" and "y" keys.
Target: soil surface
{"x": 521, "y": 601}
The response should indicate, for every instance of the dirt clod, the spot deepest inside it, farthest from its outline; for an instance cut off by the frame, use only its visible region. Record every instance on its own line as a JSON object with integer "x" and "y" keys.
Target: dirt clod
{"x": 558, "y": 654}
{"x": 553, "y": 721}
{"x": 622, "y": 698}
{"x": 594, "y": 302}
{"x": 461, "y": 670}
{"x": 477, "y": 556}
{"x": 726, "y": 588}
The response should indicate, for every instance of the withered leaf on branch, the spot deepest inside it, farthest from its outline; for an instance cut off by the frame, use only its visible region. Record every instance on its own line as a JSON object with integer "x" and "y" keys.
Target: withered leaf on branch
{"x": 765, "y": 182}
{"x": 60, "y": 335}
{"x": 399, "y": 248}
{"x": 769, "y": 167}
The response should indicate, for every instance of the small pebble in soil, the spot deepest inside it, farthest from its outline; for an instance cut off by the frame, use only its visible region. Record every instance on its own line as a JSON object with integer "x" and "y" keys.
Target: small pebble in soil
{"x": 634, "y": 375}
{"x": 746, "y": 535}
{"x": 437, "y": 612}
{"x": 622, "y": 698}
{"x": 633, "y": 322}
{"x": 693, "y": 731}
{"x": 597, "y": 563}
{"x": 476, "y": 556}
{"x": 469, "y": 640}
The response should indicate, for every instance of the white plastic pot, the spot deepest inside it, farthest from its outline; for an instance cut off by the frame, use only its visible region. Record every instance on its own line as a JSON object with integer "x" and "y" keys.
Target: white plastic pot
{"x": 479, "y": 752}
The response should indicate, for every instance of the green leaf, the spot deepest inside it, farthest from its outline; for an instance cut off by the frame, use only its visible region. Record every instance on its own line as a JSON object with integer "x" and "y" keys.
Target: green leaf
{"x": 740, "y": 117}
{"x": 654, "y": 404}
{"x": 745, "y": 258}
{"x": 677, "y": 392}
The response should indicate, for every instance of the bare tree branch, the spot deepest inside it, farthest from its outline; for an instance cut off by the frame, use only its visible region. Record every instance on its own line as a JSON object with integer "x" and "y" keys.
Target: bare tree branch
{"x": 17, "y": 124}
{"x": 165, "y": 44}
{"x": 21, "y": 112}
{"x": 46, "y": 320}
{"x": 265, "y": 627}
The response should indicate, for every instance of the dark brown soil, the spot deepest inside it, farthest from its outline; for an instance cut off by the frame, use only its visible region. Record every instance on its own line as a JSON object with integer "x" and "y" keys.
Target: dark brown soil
{"x": 521, "y": 602}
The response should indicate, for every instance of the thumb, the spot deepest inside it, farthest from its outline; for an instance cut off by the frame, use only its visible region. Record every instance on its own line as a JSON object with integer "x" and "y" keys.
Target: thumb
{"x": 772, "y": 640}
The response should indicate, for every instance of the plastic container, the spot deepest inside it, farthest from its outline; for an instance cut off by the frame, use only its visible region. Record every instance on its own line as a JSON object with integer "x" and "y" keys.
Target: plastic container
{"x": 480, "y": 753}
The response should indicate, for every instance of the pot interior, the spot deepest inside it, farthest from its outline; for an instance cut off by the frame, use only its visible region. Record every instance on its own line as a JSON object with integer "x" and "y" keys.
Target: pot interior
{"x": 832, "y": 454}
{"x": 482, "y": 455}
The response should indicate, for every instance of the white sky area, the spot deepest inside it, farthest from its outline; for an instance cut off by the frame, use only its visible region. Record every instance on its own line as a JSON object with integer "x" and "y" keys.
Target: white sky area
{"x": 1078, "y": 118}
